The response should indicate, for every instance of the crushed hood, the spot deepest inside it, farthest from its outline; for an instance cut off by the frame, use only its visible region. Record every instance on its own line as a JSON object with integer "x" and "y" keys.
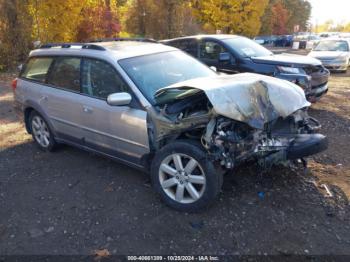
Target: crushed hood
{"x": 250, "y": 98}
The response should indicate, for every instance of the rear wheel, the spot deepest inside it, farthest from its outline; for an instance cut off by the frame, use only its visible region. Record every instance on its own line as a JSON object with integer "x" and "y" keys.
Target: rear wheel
{"x": 41, "y": 132}
{"x": 183, "y": 176}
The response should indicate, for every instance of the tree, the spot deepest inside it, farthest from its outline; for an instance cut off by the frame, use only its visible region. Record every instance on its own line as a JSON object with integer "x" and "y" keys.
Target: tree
{"x": 100, "y": 20}
{"x": 55, "y": 20}
{"x": 239, "y": 16}
{"x": 159, "y": 18}
{"x": 299, "y": 12}
{"x": 15, "y": 32}
{"x": 280, "y": 19}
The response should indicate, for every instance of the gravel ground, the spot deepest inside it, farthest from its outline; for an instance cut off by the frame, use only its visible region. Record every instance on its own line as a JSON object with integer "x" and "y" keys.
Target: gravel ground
{"x": 74, "y": 202}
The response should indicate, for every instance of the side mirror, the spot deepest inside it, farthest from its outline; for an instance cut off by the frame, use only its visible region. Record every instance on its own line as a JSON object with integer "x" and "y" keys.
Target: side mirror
{"x": 119, "y": 99}
{"x": 224, "y": 57}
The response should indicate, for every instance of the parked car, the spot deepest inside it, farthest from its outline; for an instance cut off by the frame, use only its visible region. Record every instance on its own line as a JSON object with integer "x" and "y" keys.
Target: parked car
{"x": 344, "y": 35}
{"x": 333, "y": 53}
{"x": 283, "y": 41}
{"x": 307, "y": 41}
{"x": 233, "y": 54}
{"x": 153, "y": 107}
{"x": 265, "y": 40}
{"x": 329, "y": 34}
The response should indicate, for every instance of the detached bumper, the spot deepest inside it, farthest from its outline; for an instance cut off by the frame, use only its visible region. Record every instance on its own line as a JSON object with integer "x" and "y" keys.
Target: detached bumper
{"x": 306, "y": 145}
{"x": 301, "y": 146}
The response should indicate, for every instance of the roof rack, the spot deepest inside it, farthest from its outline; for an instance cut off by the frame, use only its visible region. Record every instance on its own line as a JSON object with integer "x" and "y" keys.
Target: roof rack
{"x": 147, "y": 40}
{"x": 69, "y": 45}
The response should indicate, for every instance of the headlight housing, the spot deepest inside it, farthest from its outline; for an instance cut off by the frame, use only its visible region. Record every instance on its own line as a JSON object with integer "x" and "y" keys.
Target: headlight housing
{"x": 290, "y": 70}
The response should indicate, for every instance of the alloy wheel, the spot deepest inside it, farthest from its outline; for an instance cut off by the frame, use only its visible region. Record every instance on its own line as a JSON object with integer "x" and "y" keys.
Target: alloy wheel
{"x": 182, "y": 178}
{"x": 40, "y": 131}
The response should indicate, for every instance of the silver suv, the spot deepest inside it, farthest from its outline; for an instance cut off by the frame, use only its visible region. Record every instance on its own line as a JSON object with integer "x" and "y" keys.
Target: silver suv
{"x": 158, "y": 109}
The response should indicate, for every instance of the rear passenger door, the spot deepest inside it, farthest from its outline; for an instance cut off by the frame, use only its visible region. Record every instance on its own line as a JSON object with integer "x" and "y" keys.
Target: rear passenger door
{"x": 31, "y": 81}
{"x": 61, "y": 99}
{"x": 120, "y": 131}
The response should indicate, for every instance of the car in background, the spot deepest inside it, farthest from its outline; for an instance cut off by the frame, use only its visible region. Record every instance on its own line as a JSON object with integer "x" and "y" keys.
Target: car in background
{"x": 265, "y": 39}
{"x": 232, "y": 54}
{"x": 307, "y": 41}
{"x": 333, "y": 53}
{"x": 344, "y": 35}
{"x": 283, "y": 41}
{"x": 329, "y": 34}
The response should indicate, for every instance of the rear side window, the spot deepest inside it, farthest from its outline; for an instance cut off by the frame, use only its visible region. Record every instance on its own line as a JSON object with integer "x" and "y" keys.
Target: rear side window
{"x": 188, "y": 45}
{"x": 100, "y": 79}
{"x": 36, "y": 69}
{"x": 66, "y": 73}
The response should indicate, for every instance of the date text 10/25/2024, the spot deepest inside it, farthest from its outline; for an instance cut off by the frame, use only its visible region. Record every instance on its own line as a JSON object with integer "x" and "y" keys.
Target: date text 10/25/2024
{"x": 173, "y": 258}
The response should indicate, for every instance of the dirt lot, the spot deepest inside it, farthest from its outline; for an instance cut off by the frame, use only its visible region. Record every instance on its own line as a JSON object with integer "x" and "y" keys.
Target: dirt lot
{"x": 73, "y": 202}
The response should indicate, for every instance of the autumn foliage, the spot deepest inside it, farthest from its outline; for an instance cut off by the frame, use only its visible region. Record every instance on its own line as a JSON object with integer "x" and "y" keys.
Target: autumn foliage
{"x": 98, "y": 22}
{"x": 238, "y": 17}
{"x": 23, "y": 22}
{"x": 280, "y": 19}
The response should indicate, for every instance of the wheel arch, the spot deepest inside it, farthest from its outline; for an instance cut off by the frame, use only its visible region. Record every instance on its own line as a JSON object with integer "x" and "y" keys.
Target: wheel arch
{"x": 32, "y": 106}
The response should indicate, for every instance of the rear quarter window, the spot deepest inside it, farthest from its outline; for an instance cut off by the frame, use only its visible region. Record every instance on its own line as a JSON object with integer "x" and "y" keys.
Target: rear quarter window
{"x": 37, "y": 68}
{"x": 187, "y": 45}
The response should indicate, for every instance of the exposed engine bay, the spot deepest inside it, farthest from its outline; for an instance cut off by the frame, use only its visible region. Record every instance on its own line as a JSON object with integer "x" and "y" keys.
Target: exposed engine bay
{"x": 238, "y": 119}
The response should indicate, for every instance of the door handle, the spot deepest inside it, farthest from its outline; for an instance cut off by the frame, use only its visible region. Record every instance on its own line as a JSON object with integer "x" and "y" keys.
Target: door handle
{"x": 87, "y": 109}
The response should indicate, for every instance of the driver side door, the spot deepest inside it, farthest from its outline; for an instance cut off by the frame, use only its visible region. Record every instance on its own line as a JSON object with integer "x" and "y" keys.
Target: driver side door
{"x": 209, "y": 52}
{"x": 118, "y": 131}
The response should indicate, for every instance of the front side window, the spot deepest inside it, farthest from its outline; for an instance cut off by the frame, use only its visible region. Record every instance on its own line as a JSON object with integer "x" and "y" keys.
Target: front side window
{"x": 152, "y": 72}
{"x": 211, "y": 50}
{"x": 100, "y": 79}
{"x": 66, "y": 73}
{"x": 36, "y": 69}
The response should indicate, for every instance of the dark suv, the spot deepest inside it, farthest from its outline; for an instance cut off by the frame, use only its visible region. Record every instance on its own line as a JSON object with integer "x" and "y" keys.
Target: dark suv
{"x": 233, "y": 54}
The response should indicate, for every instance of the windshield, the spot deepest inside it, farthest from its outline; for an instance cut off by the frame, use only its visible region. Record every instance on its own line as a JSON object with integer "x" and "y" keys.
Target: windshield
{"x": 246, "y": 47}
{"x": 329, "y": 45}
{"x": 153, "y": 72}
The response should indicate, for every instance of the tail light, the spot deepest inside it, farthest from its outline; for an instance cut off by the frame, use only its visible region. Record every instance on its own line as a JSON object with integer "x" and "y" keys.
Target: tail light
{"x": 14, "y": 83}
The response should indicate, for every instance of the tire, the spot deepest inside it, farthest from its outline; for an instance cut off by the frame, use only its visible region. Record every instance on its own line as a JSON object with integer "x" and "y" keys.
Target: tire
{"x": 41, "y": 132}
{"x": 184, "y": 177}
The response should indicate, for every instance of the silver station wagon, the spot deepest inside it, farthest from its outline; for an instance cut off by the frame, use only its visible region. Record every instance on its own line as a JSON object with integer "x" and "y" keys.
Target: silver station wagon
{"x": 156, "y": 108}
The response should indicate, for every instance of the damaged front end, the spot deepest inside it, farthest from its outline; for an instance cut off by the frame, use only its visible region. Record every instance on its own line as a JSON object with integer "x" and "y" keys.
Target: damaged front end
{"x": 233, "y": 143}
{"x": 240, "y": 118}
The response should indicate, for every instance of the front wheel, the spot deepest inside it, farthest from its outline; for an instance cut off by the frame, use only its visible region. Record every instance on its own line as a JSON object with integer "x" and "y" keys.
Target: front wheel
{"x": 184, "y": 177}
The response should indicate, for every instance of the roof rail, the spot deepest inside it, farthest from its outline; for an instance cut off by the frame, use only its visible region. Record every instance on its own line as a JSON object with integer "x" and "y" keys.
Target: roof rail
{"x": 69, "y": 45}
{"x": 147, "y": 40}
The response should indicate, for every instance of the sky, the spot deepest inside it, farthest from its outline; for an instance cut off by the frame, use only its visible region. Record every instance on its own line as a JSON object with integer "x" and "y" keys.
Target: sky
{"x": 323, "y": 10}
